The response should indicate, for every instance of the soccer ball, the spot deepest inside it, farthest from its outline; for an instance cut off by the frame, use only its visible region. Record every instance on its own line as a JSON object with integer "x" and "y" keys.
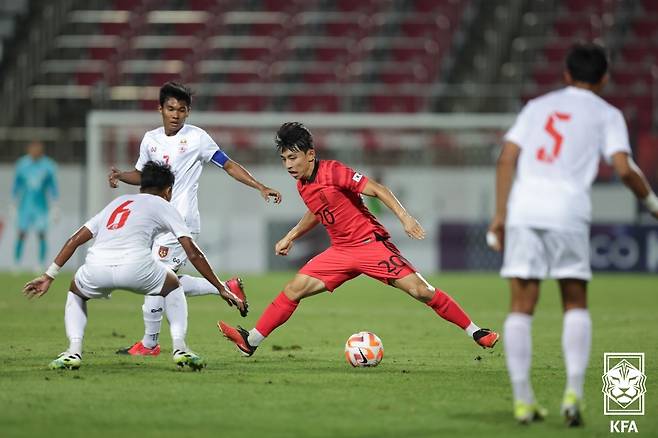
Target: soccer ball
{"x": 364, "y": 349}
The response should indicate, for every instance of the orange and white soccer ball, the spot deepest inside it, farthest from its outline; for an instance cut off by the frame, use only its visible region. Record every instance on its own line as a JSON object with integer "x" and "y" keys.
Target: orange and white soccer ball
{"x": 364, "y": 349}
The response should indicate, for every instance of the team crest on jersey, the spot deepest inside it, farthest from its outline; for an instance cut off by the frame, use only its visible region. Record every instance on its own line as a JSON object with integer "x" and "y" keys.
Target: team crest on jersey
{"x": 163, "y": 251}
{"x": 182, "y": 146}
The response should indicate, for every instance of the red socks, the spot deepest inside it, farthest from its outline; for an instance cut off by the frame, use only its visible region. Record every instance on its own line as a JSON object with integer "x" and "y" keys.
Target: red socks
{"x": 448, "y": 309}
{"x": 276, "y": 314}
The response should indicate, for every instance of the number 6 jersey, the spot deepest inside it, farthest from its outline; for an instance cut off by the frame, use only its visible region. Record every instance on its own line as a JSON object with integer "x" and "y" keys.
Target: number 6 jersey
{"x": 126, "y": 227}
{"x": 561, "y": 134}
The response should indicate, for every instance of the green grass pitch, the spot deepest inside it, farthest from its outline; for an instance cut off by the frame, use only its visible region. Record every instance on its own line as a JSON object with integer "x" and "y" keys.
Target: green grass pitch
{"x": 433, "y": 380}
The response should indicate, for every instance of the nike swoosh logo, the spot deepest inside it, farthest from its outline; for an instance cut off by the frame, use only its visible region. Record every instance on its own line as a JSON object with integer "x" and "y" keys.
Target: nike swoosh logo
{"x": 363, "y": 356}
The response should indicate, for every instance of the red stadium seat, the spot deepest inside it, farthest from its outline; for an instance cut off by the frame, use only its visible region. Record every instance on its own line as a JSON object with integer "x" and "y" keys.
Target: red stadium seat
{"x": 646, "y": 156}
{"x": 177, "y": 53}
{"x": 115, "y": 28}
{"x": 102, "y": 53}
{"x": 157, "y": 79}
{"x": 650, "y": 6}
{"x": 241, "y": 103}
{"x": 396, "y": 103}
{"x": 202, "y": 5}
{"x": 320, "y": 77}
{"x": 126, "y": 5}
{"x": 315, "y": 102}
{"x": 646, "y": 27}
{"x": 88, "y": 78}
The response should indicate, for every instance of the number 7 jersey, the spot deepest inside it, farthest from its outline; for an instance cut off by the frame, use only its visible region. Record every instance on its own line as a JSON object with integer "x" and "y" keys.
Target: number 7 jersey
{"x": 125, "y": 229}
{"x": 333, "y": 195}
{"x": 562, "y": 135}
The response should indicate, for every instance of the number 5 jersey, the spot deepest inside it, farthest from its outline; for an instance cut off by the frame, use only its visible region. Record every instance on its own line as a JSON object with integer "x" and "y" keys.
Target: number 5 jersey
{"x": 561, "y": 134}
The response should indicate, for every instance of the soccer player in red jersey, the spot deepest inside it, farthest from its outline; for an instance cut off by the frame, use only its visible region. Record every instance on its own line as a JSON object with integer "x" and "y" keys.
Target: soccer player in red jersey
{"x": 359, "y": 243}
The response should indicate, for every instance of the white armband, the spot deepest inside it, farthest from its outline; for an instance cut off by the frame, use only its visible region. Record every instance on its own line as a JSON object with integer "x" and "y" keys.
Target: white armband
{"x": 53, "y": 270}
{"x": 651, "y": 202}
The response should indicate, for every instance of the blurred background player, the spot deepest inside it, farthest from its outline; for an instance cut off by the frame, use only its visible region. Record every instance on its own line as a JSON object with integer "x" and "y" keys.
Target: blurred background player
{"x": 120, "y": 259}
{"x": 35, "y": 187}
{"x": 543, "y": 211}
{"x": 186, "y": 148}
{"x": 359, "y": 243}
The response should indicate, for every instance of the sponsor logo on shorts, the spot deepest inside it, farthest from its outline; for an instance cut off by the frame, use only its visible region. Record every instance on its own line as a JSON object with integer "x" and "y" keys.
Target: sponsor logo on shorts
{"x": 163, "y": 251}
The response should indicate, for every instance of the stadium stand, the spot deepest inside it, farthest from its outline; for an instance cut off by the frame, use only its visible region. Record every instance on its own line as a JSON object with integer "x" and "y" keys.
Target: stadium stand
{"x": 379, "y": 56}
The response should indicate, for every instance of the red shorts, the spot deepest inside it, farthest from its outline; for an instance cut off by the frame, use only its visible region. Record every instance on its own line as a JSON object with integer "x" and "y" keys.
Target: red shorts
{"x": 380, "y": 260}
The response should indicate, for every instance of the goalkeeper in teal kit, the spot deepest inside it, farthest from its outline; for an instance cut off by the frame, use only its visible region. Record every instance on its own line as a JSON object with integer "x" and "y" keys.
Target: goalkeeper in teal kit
{"x": 35, "y": 185}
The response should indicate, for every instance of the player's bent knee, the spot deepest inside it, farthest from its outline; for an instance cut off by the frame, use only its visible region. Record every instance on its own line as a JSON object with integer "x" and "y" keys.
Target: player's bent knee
{"x": 421, "y": 292}
{"x": 171, "y": 283}
{"x": 294, "y": 292}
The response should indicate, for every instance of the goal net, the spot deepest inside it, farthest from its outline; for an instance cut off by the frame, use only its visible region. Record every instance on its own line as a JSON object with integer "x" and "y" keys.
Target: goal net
{"x": 439, "y": 165}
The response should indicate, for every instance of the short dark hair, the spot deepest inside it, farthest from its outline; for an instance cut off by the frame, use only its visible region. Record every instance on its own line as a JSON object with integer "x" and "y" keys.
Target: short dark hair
{"x": 157, "y": 175}
{"x": 176, "y": 90}
{"x": 294, "y": 136}
{"x": 587, "y": 63}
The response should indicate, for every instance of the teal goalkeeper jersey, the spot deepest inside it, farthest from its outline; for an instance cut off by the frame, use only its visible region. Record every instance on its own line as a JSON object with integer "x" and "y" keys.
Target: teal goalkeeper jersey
{"x": 35, "y": 181}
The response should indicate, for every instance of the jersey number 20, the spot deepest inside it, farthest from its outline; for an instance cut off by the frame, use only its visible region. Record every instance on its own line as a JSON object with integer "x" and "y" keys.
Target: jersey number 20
{"x": 119, "y": 216}
{"x": 549, "y": 156}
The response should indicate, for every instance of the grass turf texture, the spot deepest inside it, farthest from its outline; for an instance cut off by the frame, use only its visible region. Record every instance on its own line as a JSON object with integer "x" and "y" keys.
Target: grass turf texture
{"x": 433, "y": 380}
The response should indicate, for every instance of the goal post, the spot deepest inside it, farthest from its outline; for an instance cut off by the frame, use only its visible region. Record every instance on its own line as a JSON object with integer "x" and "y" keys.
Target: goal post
{"x": 440, "y": 165}
{"x": 116, "y": 129}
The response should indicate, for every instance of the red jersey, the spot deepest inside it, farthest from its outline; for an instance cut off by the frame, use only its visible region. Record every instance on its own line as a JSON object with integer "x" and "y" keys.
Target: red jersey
{"x": 333, "y": 194}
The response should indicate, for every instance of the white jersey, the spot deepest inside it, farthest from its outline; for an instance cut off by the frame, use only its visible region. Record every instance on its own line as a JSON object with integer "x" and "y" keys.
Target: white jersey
{"x": 185, "y": 152}
{"x": 126, "y": 227}
{"x": 561, "y": 134}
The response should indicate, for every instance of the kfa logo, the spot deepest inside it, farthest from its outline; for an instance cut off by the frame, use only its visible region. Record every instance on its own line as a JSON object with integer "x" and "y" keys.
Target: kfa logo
{"x": 623, "y": 388}
{"x": 623, "y": 426}
{"x": 623, "y": 384}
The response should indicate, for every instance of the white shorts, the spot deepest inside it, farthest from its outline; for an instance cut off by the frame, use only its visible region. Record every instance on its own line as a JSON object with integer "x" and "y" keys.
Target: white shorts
{"x": 540, "y": 253}
{"x": 168, "y": 250}
{"x": 98, "y": 281}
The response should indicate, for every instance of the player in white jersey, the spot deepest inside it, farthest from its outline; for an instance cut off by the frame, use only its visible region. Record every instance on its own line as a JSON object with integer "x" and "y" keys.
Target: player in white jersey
{"x": 120, "y": 258}
{"x": 186, "y": 148}
{"x": 543, "y": 212}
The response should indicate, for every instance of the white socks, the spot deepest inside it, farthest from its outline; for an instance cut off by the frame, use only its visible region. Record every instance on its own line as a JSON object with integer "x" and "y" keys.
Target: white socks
{"x": 472, "y": 328}
{"x": 75, "y": 320}
{"x": 517, "y": 340}
{"x": 255, "y": 338}
{"x": 176, "y": 310}
{"x": 152, "y": 309}
{"x": 576, "y": 345}
{"x": 154, "y": 306}
{"x": 197, "y": 286}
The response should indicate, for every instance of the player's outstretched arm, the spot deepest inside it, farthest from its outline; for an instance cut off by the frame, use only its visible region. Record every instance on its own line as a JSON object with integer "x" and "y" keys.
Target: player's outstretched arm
{"x": 410, "y": 224}
{"x": 634, "y": 179}
{"x": 200, "y": 263}
{"x": 39, "y": 286}
{"x": 133, "y": 177}
{"x": 305, "y": 224}
{"x": 241, "y": 174}
{"x": 505, "y": 170}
